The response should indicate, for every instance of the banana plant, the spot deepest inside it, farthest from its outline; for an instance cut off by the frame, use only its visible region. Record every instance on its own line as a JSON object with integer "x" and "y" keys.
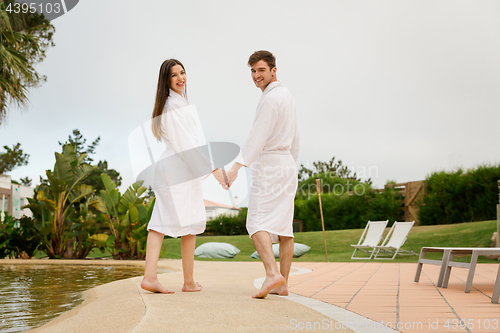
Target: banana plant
{"x": 85, "y": 227}
{"x": 127, "y": 216}
{"x": 56, "y": 201}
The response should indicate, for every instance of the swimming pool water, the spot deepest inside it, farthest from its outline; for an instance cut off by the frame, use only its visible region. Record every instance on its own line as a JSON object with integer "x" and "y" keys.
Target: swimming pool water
{"x": 31, "y": 295}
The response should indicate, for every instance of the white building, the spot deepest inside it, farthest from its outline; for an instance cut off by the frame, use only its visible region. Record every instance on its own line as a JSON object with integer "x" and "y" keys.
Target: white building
{"x": 214, "y": 209}
{"x": 13, "y": 197}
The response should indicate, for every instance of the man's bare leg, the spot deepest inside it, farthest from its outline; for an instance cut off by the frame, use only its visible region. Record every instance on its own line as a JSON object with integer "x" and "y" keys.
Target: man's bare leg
{"x": 286, "y": 256}
{"x": 188, "y": 244}
{"x": 274, "y": 279}
{"x": 150, "y": 281}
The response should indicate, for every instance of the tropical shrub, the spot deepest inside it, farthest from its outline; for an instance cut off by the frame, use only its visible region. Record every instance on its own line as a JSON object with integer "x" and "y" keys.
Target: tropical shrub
{"x": 127, "y": 217}
{"x": 94, "y": 178}
{"x": 17, "y": 236}
{"x": 56, "y": 202}
{"x": 86, "y": 226}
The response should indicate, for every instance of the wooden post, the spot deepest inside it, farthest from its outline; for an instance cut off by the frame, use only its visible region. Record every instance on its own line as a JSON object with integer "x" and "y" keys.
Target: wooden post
{"x": 407, "y": 203}
{"x": 318, "y": 186}
{"x": 498, "y": 216}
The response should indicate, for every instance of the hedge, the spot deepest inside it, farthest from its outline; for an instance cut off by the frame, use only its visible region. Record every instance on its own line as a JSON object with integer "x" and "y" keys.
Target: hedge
{"x": 458, "y": 196}
{"x": 349, "y": 211}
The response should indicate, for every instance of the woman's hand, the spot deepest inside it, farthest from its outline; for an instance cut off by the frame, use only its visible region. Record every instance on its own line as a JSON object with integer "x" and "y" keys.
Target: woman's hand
{"x": 219, "y": 176}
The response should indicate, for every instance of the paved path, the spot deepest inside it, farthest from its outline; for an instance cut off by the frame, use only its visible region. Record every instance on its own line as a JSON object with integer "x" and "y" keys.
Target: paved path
{"x": 362, "y": 295}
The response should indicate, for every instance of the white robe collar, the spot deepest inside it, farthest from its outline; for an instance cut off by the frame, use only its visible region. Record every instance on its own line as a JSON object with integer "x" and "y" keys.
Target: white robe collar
{"x": 174, "y": 93}
{"x": 271, "y": 86}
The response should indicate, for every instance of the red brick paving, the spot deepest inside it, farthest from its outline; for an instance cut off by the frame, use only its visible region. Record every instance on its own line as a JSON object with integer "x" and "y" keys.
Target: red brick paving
{"x": 386, "y": 292}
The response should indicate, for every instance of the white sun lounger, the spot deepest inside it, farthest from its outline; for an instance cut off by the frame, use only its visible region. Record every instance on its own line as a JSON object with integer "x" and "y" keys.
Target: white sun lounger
{"x": 475, "y": 253}
{"x": 444, "y": 260}
{"x": 496, "y": 289}
{"x": 370, "y": 238}
{"x": 394, "y": 240}
{"x": 447, "y": 263}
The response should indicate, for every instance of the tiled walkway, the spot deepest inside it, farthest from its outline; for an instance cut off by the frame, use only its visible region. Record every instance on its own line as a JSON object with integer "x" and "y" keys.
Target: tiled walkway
{"x": 385, "y": 292}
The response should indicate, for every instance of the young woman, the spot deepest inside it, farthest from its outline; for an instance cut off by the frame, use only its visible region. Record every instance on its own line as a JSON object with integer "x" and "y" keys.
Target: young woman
{"x": 179, "y": 208}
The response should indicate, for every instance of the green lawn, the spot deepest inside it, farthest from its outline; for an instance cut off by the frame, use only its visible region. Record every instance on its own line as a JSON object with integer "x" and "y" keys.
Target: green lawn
{"x": 473, "y": 234}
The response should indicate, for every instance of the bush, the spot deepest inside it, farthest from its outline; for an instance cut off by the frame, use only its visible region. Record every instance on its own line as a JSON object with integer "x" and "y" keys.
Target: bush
{"x": 456, "y": 196}
{"x": 386, "y": 205}
{"x": 348, "y": 211}
{"x": 127, "y": 217}
{"x": 17, "y": 236}
{"x": 228, "y": 225}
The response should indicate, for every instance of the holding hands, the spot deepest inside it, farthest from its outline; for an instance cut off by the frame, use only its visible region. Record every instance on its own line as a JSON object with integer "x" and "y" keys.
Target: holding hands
{"x": 226, "y": 179}
{"x": 221, "y": 178}
{"x": 232, "y": 174}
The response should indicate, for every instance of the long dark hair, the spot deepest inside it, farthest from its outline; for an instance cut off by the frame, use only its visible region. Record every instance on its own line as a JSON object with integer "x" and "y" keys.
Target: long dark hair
{"x": 162, "y": 93}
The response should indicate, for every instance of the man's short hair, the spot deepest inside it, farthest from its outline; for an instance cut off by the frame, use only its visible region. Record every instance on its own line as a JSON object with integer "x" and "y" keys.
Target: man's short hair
{"x": 267, "y": 56}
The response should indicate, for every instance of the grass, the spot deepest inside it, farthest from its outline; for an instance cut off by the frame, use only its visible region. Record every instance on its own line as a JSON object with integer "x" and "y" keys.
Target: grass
{"x": 472, "y": 234}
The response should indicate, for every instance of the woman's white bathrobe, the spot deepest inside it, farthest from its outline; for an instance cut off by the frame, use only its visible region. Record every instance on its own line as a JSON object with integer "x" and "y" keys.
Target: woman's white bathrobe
{"x": 179, "y": 209}
{"x": 272, "y": 149}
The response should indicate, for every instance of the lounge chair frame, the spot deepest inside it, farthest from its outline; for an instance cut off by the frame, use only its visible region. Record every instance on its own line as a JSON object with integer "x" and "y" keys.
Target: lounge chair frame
{"x": 447, "y": 263}
{"x": 370, "y": 238}
{"x": 394, "y": 240}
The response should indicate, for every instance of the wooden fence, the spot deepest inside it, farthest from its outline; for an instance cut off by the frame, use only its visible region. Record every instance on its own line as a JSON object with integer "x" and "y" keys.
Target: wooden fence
{"x": 413, "y": 193}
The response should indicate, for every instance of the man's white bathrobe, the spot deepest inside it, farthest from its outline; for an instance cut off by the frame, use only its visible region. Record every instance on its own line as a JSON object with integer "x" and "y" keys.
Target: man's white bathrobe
{"x": 272, "y": 149}
{"x": 179, "y": 209}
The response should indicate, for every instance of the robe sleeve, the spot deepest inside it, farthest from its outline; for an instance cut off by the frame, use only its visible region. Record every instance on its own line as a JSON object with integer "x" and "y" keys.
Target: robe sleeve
{"x": 294, "y": 149}
{"x": 264, "y": 123}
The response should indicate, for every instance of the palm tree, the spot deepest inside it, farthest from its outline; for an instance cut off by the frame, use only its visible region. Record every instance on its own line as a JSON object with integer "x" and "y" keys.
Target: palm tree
{"x": 23, "y": 41}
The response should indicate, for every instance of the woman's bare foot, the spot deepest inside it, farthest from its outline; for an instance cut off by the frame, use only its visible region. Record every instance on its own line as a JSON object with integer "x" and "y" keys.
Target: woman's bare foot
{"x": 270, "y": 284}
{"x": 281, "y": 291}
{"x": 191, "y": 287}
{"x": 155, "y": 287}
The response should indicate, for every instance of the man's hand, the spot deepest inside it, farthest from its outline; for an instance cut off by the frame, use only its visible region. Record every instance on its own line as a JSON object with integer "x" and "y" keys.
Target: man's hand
{"x": 232, "y": 174}
{"x": 219, "y": 176}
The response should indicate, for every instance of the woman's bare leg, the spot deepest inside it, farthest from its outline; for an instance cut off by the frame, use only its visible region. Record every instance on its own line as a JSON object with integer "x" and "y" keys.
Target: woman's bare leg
{"x": 150, "y": 281}
{"x": 188, "y": 244}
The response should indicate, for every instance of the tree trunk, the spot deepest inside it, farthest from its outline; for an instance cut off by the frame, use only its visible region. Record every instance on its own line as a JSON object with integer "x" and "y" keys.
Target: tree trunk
{"x": 68, "y": 252}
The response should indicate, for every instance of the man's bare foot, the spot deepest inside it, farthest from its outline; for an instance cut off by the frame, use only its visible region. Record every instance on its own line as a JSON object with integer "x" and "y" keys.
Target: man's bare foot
{"x": 268, "y": 285}
{"x": 281, "y": 291}
{"x": 194, "y": 287}
{"x": 155, "y": 287}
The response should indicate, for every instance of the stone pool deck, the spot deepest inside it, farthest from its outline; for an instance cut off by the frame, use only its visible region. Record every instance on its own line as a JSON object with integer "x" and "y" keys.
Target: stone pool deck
{"x": 360, "y": 294}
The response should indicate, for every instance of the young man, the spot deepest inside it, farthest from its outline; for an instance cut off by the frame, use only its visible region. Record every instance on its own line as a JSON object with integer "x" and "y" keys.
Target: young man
{"x": 272, "y": 149}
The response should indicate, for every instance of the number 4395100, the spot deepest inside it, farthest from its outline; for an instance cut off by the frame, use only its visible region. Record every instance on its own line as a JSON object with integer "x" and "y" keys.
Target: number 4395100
{"x": 32, "y": 8}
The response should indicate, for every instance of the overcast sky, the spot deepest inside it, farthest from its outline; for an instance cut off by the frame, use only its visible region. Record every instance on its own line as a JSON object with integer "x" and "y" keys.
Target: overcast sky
{"x": 400, "y": 88}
